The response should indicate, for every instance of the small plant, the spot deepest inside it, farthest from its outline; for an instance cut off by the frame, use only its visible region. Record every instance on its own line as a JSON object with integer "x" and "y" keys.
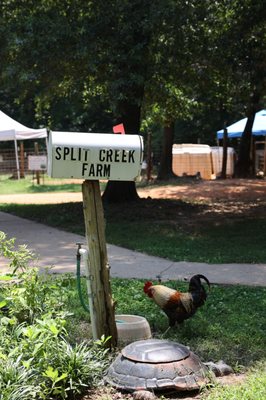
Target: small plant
{"x": 20, "y": 258}
{"x": 16, "y": 381}
{"x": 36, "y": 358}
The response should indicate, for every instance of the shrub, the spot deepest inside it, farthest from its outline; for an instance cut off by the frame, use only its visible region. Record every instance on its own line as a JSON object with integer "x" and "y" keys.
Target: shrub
{"x": 36, "y": 358}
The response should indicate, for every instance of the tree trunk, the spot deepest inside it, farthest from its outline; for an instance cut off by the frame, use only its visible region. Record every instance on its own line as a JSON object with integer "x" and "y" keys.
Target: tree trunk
{"x": 243, "y": 165}
{"x": 224, "y": 163}
{"x": 123, "y": 191}
{"x": 120, "y": 192}
{"x": 165, "y": 169}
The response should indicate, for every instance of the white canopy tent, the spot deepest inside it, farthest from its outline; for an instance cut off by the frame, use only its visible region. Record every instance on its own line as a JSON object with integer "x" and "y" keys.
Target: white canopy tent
{"x": 13, "y": 130}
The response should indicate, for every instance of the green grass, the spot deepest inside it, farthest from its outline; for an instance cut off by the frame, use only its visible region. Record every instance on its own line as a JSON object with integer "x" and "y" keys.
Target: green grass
{"x": 143, "y": 227}
{"x": 254, "y": 388}
{"x": 172, "y": 229}
{"x": 240, "y": 243}
{"x": 230, "y": 326}
{"x": 28, "y": 185}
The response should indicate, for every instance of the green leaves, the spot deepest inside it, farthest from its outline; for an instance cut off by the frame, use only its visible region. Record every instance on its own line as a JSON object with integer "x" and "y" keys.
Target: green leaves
{"x": 20, "y": 257}
{"x": 36, "y": 358}
{"x": 3, "y": 303}
{"x": 38, "y": 355}
{"x": 54, "y": 375}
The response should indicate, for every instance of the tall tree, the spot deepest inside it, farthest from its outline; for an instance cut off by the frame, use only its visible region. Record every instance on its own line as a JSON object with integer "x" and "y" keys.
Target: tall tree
{"x": 170, "y": 92}
{"x": 125, "y": 34}
{"x": 248, "y": 26}
{"x": 189, "y": 59}
{"x": 60, "y": 49}
{"x": 237, "y": 63}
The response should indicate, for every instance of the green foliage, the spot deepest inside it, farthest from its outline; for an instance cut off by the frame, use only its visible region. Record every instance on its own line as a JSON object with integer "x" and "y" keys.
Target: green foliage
{"x": 37, "y": 360}
{"x": 19, "y": 258}
{"x": 16, "y": 382}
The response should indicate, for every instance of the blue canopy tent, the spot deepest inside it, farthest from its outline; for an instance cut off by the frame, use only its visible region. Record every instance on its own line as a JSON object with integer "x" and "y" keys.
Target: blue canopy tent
{"x": 236, "y": 130}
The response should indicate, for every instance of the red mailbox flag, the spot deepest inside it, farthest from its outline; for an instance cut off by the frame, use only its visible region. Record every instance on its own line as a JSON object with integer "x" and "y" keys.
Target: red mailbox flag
{"x": 119, "y": 129}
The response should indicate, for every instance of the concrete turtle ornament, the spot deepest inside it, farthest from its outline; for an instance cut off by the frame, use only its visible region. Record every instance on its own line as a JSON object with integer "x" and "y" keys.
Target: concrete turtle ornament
{"x": 157, "y": 365}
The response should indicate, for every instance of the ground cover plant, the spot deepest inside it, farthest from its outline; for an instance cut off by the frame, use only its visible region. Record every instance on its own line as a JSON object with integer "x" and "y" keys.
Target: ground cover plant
{"x": 38, "y": 359}
{"x": 45, "y": 336}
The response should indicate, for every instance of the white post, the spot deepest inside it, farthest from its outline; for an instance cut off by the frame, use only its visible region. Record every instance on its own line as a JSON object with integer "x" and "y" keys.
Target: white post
{"x": 17, "y": 162}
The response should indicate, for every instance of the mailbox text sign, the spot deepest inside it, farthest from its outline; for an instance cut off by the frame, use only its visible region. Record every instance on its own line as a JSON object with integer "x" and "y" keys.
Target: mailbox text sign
{"x": 94, "y": 156}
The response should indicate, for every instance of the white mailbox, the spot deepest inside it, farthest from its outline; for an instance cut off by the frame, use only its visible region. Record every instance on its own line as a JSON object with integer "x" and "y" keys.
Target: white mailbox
{"x": 94, "y": 156}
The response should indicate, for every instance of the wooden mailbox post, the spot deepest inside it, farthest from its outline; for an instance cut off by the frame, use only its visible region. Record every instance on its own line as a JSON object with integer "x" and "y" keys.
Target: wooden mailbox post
{"x": 94, "y": 156}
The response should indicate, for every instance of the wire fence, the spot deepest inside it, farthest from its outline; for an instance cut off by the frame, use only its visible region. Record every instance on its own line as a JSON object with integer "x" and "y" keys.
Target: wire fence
{"x": 8, "y": 165}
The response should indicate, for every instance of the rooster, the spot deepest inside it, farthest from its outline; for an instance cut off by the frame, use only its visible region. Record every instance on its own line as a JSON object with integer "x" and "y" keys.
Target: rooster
{"x": 178, "y": 306}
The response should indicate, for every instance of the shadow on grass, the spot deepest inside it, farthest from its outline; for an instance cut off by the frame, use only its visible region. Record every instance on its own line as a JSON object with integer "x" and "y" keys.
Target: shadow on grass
{"x": 54, "y": 188}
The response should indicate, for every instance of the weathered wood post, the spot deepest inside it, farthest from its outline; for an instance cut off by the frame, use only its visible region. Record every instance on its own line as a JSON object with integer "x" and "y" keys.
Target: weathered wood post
{"x": 98, "y": 267}
{"x": 92, "y": 157}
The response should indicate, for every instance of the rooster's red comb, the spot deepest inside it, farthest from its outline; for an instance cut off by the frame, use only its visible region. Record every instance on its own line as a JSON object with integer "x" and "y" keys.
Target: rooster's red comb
{"x": 147, "y": 286}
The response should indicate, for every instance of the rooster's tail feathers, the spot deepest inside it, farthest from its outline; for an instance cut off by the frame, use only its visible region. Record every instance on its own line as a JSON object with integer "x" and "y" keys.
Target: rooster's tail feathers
{"x": 195, "y": 282}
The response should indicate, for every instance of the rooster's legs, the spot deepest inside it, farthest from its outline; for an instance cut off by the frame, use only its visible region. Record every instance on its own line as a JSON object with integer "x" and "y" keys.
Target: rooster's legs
{"x": 165, "y": 332}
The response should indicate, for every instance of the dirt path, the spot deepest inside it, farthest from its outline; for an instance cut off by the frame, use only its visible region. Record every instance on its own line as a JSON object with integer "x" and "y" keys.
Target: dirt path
{"x": 41, "y": 198}
{"x": 244, "y": 190}
{"x": 217, "y": 190}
